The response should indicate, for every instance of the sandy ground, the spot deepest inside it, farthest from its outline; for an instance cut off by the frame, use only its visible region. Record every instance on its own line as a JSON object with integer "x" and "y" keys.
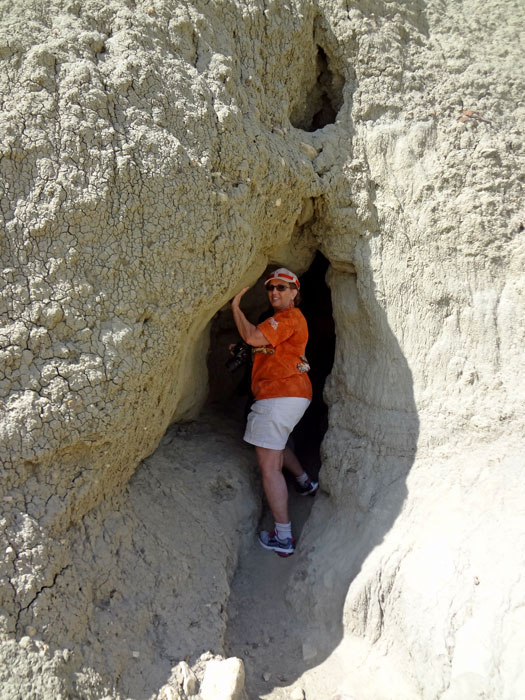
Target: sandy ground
{"x": 266, "y": 633}
{"x": 264, "y": 630}
{"x": 261, "y": 628}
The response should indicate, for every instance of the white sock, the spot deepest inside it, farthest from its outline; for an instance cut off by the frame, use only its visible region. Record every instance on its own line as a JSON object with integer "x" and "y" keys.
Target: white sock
{"x": 302, "y": 479}
{"x": 283, "y": 530}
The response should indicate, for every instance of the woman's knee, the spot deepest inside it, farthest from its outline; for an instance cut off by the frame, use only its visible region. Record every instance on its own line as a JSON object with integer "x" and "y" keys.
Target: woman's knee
{"x": 269, "y": 460}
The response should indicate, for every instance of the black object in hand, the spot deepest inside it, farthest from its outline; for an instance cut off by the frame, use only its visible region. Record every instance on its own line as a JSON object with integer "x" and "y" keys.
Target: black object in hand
{"x": 241, "y": 355}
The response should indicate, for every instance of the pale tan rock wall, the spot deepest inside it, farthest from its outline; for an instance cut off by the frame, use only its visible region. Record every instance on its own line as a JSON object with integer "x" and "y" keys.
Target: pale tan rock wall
{"x": 142, "y": 185}
{"x": 150, "y": 170}
{"x": 424, "y": 454}
{"x": 142, "y": 582}
{"x": 126, "y": 201}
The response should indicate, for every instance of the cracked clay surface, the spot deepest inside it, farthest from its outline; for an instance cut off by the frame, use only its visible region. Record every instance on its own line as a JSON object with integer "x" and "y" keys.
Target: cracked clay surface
{"x": 155, "y": 157}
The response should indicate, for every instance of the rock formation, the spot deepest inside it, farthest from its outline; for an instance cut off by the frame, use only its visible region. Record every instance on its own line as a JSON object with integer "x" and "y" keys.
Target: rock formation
{"x": 155, "y": 157}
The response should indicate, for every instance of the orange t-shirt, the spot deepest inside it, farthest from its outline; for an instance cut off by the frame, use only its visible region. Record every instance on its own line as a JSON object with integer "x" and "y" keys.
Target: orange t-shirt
{"x": 282, "y": 372}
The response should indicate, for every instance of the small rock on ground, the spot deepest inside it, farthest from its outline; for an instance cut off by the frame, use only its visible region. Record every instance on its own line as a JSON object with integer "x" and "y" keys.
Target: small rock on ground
{"x": 297, "y": 694}
{"x": 223, "y": 680}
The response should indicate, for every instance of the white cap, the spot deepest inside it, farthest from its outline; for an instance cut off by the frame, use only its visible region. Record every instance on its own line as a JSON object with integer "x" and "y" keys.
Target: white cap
{"x": 283, "y": 274}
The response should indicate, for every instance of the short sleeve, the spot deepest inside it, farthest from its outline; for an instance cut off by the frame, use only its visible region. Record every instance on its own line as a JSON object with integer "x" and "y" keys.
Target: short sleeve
{"x": 277, "y": 329}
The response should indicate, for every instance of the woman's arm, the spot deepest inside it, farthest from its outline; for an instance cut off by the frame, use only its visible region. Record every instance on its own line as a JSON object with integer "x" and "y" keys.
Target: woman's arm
{"x": 249, "y": 333}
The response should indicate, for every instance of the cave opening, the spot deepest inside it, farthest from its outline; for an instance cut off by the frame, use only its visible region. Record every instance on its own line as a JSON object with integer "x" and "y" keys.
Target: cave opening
{"x": 316, "y": 306}
{"x": 323, "y": 97}
{"x": 229, "y": 381}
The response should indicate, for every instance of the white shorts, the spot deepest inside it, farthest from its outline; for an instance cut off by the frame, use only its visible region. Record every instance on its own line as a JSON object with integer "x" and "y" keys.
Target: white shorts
{"x": 271, "y": 421}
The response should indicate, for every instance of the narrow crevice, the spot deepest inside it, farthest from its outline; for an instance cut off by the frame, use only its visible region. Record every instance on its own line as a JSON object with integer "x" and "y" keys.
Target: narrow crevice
{"x": 36, "y": 596}
{"x": 262, "y": 628}
{"x": 317, "y": 308}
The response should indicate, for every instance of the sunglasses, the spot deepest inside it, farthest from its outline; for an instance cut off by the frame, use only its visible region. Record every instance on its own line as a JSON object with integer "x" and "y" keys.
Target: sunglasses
{"x": 278, "y": 287}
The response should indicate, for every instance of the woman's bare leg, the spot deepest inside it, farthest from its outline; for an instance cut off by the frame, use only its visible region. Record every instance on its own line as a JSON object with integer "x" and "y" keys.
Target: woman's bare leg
{"x": 291, "y": 462}
{"x": 274, "y": 484}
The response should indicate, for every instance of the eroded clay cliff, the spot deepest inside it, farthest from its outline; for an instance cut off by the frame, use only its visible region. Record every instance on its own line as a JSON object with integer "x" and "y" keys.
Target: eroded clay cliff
{"x": 155, "y": 157}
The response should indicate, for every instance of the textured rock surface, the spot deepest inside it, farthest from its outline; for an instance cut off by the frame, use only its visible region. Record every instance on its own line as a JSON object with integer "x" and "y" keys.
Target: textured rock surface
{"x": 423, "y": 461}
{"x": 143, "y": 579}
{"x": 154, "y": 157}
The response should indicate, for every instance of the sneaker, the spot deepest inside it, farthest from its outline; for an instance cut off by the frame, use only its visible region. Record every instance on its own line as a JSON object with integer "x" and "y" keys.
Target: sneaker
{"x": 269, "y": 540}
{"x": 307, "y": 489}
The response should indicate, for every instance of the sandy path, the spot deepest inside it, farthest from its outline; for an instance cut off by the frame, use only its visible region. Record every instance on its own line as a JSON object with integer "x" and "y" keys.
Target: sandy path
{"x": 262, "y": 628}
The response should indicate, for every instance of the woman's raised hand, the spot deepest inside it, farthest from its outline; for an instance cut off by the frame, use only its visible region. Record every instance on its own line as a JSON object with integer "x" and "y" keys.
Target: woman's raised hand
{"x": 237, "y": 298}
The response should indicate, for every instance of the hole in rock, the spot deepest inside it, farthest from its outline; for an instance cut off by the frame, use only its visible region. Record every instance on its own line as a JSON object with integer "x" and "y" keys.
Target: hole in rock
{"x": 323, "y": 98}
{"x": 230, "y": 388}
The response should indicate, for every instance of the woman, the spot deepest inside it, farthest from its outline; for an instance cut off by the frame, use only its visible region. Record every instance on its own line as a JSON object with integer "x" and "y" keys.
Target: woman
{"x": 282, "y": 393}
